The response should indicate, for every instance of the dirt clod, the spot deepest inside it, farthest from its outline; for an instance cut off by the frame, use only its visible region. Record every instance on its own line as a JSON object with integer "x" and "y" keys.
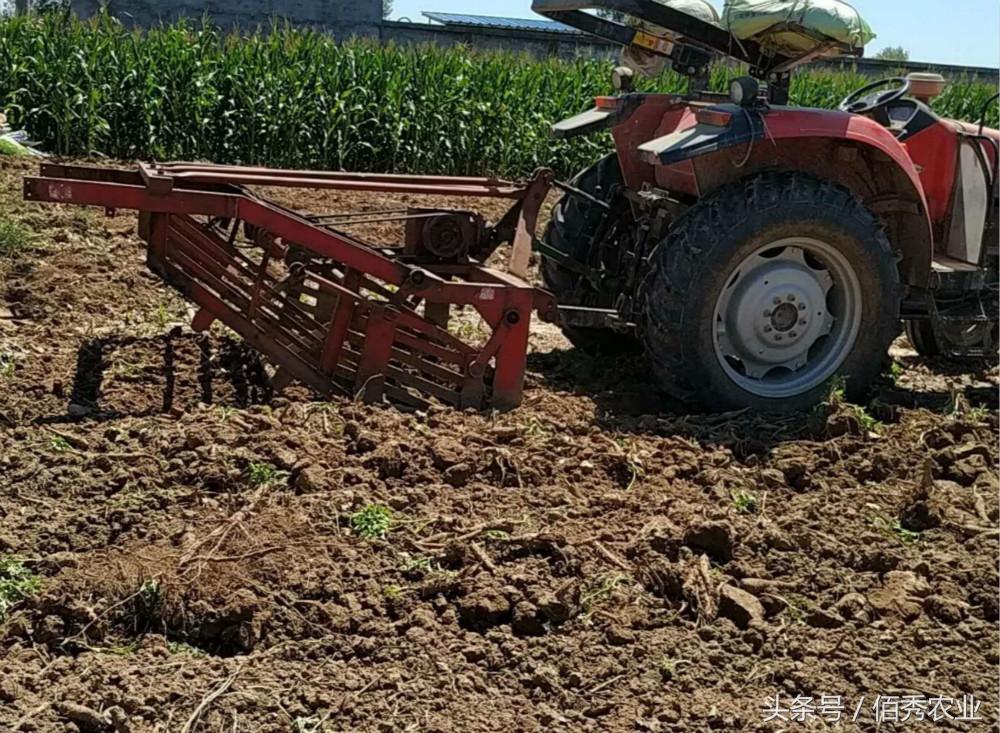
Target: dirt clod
{"x": 86, "y": 719}
{"x": 740, "y": 607}
{"x": 713, "y": 538}
{"x": 901, "y": 595}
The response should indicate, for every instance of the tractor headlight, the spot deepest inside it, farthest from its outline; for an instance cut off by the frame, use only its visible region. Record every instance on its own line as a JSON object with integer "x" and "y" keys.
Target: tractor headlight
{"x": 743, "y": 91}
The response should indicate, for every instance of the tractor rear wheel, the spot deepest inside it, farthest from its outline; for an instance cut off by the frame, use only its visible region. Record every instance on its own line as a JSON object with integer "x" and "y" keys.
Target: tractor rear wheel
{"x": 574, "y": 220}
{"x": 768, "y": 290}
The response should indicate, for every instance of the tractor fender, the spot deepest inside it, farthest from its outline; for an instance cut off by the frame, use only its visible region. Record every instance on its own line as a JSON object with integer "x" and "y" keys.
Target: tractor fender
{"x": 853, "y": 151}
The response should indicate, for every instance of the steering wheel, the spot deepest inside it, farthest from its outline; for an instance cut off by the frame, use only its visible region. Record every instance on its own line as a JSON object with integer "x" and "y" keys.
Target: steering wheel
{"x": 868, "y": 100}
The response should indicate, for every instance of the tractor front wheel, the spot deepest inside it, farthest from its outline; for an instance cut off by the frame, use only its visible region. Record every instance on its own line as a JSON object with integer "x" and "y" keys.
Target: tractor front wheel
{"x": 949, "y": 340}
{"x": 768, "y": 290}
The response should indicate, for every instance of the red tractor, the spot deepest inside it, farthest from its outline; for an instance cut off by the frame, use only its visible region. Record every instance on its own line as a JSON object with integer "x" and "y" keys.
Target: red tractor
{"x": 758, "y": 251}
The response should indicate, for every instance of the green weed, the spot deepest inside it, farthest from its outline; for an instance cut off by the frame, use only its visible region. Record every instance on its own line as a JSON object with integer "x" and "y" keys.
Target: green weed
{"x": 372, "y": 522}
{"x": 125, "y": 649}
{"x": 744, "y": 502}
{"x": 59, "y": 444}
{"x": 15, "y": 239}
{"x": 264, "y": 474}
{"x": 180, "y": 647}
{"x": 837, "y": 400}
{"x": 869, "y": 423}
{"x": 17, "y": 583}
{"x": 598, "y": 592}
{"x": 162, "y": 317}
{"x": 979, "y": 413}
{"x": 419, "y": 564}
{"x": 896, "y": 371}
{"x": 670, "y": 666}
{"x": 8, "y": 365}
{"x": 891, "y": 527}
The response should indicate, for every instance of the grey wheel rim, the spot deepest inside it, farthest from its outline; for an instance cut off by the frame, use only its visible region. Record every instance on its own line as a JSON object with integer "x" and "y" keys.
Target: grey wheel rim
{"x": 788, "y": 317}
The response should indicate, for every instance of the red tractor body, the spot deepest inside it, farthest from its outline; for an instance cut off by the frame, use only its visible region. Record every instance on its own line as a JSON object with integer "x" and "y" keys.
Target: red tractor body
{"x": 924, "y": 166}
{"x": 761, "y": 251}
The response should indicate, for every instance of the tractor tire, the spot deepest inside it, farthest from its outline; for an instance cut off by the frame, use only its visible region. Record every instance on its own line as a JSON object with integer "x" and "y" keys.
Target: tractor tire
{"x": 573, "y": 218}
{"x": 768, "y": 290}
{"x": 925, "y": 342}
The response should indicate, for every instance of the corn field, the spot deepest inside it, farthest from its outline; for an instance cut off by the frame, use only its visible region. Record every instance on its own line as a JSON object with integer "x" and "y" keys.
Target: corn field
{"x": 300, "y": 99}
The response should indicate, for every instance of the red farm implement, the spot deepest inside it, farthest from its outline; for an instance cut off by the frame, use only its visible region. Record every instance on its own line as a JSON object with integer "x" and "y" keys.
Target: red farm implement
{"x": 325, "y": 308}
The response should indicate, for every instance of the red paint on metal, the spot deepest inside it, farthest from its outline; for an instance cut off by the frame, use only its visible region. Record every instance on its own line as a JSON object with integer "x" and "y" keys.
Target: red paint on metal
{"x": 786, "y": 123}
{"x": 935, "y": 152}
{"x": 657, "y": 116}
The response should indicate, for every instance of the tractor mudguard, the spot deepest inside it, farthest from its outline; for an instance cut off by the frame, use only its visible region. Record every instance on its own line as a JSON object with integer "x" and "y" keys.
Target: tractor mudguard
{"x": 778, "y": 129}
{"x": 776, "y": 124}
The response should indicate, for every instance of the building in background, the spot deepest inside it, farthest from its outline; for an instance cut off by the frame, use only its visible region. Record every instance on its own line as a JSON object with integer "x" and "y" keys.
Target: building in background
{"x": 536, "y": 36}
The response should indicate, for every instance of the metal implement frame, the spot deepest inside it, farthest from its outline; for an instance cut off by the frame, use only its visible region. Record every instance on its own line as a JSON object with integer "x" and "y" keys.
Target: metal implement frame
{"x": 342, "y": 316}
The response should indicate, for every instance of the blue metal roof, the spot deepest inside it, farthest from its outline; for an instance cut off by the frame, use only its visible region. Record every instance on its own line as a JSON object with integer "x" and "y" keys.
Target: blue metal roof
{"x": 489, "y": 21}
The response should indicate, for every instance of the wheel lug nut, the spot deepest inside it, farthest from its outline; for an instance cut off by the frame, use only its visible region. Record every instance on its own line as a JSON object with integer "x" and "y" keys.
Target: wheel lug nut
{"x": 791, "y": 298}
{"x": 793, "y": 335}
{"x": 802, "y": 306}
{"x": 779, "y": 337}
{"x": 767, "y": 314}
{"x": 777, "y": 301}
{"x": 768, "y": 329}
{"x": 802, "y": 322}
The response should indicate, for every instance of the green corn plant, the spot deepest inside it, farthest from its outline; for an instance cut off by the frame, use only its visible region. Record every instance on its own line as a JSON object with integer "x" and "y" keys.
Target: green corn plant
{"x": 296, "y": 98}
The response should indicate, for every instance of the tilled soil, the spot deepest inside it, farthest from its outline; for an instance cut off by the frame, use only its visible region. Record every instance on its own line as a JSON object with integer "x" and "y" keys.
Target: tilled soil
{"x": 597, "y": 560}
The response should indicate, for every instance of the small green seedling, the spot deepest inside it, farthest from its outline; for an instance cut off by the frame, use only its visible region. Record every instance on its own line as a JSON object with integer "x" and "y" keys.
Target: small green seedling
{"x": 162, "y": 317}
{"x": 372, "y": 522}
{"x": 744, "y": 502}
{"x": 869, "y": 423}
{"x": 180, "y": 647}
{"x": 7, "y": 365}
{"x": 264, "y": 474}
{"x": 311, "y": 724}
{"x": 896, "y": 371}
{"x": 125, "y": 649}
{"x": 150, "y": 598}
{"x": 15, "y": 239}
{"x": 669, "y": 667}
{"x": 891, "y": 527}
{"x": 600, "y": 591}
{"x": 60, "y": 445}
{"x": 978, "y": 413}
{"x": 17, "y": 583}
{"x": 418, "y": 563}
